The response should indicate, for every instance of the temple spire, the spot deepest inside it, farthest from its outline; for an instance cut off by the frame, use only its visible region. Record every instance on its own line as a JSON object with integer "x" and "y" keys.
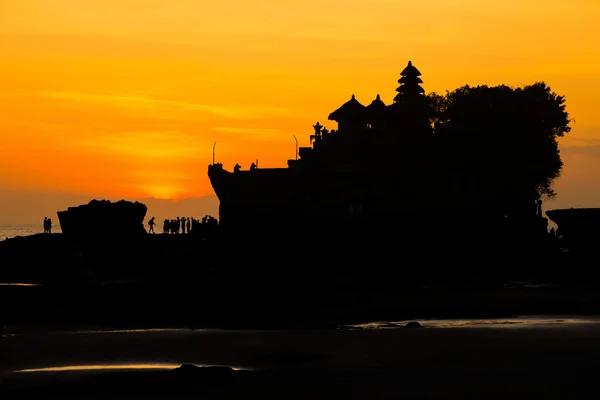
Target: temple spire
{"x": 409, "y": 83}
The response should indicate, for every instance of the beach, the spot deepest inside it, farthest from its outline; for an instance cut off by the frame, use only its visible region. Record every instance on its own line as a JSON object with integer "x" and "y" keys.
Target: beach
{"x": 555, "y": 359}
{"x": 296, "y": 334}
{"x": 286, "y": 341}
{"x": 301, "y": 336}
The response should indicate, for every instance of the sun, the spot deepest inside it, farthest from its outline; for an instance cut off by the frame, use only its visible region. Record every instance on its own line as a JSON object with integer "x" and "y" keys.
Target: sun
{"x": 162, "y": 192}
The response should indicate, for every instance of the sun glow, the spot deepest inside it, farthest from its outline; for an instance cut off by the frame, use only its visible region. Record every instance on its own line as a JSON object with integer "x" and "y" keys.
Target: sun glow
{"x": 127, "y": 97}
{"x": 163, "y": 192}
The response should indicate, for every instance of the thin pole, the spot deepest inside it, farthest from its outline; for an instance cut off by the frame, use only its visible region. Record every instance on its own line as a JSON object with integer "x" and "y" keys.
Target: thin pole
{"x": 214, "y": 152}
{"x": 296, "y": 146}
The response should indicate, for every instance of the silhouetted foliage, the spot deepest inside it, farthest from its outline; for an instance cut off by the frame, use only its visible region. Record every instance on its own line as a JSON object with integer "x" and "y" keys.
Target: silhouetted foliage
{"x": 507, "y": 134}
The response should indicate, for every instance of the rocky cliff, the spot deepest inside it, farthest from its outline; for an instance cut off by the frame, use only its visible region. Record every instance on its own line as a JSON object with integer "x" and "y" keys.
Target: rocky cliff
{"x": 102, "y": 218}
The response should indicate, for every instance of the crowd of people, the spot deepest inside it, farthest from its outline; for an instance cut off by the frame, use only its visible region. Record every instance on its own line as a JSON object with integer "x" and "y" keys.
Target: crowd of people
{"x": 181, "y": 224}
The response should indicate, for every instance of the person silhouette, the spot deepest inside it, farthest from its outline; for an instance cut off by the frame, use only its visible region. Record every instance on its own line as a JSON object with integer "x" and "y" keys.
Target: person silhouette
{"x": 49, "y": 225}
{"x": 151, "y": 224}
{"x": 45, "y": 224}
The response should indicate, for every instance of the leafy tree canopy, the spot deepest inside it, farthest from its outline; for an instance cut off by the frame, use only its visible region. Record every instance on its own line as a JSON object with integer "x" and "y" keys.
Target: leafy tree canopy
{"x": 509, "y": 133}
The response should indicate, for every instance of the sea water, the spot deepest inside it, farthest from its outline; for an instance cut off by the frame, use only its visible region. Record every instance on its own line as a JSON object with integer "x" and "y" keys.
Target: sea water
{"x": 8, "y": 231}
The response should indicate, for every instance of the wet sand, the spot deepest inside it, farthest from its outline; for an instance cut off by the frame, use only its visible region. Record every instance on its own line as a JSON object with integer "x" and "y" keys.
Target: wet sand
{"x": 284, "y": 302}
{"x": 550, "y": 361}
{"x": 559, "y": 359}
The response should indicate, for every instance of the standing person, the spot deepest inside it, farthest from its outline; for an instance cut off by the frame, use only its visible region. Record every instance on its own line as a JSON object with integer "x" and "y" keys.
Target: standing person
{"x": 45, "y": 224}
{"x": 151, "y": 225}
{"x": 49, "y": 225}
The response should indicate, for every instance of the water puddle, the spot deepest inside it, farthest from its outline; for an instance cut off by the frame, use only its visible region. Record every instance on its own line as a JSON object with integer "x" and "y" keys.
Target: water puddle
{"x": 516, "y": 322}
{"x": 19, "y": 284}
{"x": 141, "y": 330}
{"x": 119, "y": 367}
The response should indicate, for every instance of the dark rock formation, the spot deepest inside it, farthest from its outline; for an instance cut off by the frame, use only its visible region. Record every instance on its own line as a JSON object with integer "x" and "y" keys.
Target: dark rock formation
{"x": 42, "y": 258}
{"x": 103, "y": 219}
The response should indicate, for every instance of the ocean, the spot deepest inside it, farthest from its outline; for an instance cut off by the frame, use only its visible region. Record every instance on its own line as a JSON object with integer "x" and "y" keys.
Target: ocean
{"x": 12, "y": 230}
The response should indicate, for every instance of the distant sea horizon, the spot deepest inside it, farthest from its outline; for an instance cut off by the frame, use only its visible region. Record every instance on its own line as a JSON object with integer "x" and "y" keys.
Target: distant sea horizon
{"x": 8, "y": 231}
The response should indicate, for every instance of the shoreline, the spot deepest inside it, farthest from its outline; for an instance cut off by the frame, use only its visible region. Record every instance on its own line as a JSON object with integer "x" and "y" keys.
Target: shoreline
{"x": 525, "y": 321}
{"x": 288, "y": 305}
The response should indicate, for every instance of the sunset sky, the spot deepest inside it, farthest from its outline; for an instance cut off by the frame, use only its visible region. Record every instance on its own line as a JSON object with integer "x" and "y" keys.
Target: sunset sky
{"x": 125, "y": 98}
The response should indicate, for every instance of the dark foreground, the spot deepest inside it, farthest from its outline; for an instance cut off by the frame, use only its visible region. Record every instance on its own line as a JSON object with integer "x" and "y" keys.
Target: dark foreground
{"x": 288, "y": 332}
{"x": 284, "y": 302}
{"x": 284, "y": 317}
{"x": 295, "y": 250}
{"x": 185, "y": 280}
{"x": 537, "y": 362}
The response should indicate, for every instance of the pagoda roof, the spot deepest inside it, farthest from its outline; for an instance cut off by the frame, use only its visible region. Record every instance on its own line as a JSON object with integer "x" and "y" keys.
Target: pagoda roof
{"x": 377, "y": 103}
{"x": 410, "y": 79}
{"x": 410, "y": 89}
{"x": 349, "y": 108}
{"x": 376, "y": 107}
{"x": 410, "y": 70}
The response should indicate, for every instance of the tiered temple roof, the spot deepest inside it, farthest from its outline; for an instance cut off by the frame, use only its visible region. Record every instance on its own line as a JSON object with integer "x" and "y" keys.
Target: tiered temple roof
{"x": 409, "y": 83}
{"x": 353, "y": 109}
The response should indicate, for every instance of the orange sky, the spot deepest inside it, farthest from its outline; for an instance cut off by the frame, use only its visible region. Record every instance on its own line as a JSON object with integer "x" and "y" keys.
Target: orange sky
{"x": 125, "y": 98}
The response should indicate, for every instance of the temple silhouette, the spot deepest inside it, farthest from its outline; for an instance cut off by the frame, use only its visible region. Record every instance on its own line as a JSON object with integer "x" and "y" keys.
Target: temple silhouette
{"x": 384, "y": 165}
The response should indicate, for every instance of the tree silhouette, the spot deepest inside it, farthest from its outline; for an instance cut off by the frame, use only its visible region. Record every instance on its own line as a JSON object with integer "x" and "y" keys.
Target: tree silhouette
{"x": 504, "y": 139}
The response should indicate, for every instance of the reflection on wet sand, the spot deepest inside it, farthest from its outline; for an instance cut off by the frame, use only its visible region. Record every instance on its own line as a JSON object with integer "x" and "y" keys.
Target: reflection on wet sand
{"x": 18, "y": 284}
{"x": 83, "y": 332}
{"x": 103, "y": 367}
{"x": 517, "y": 322}
{"x": 540, "y": 321}
{"x": 558, "y": 358}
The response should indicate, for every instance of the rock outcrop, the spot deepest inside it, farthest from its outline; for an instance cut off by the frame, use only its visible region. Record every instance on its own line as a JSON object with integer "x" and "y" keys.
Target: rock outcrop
{"x": 104, "y": 219}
